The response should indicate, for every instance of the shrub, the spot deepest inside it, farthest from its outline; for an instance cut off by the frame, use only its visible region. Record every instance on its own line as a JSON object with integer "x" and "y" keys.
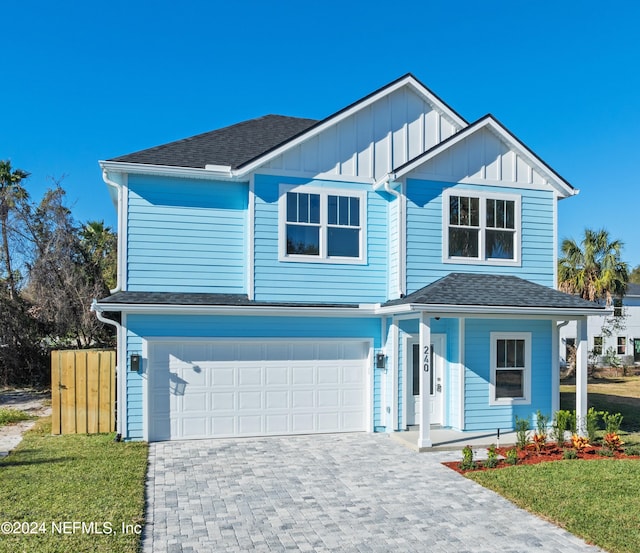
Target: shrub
{"x": 592, "y": 423}
{"x": 522, "y": 432}
{"x": 512, "y": 456}
{"x": 606, "y": 452}
{"x": 612, "y": 442}
{"x": 467, "y": 462}
{"x": 579, "y": 442}
{"x": 612, "y": 422}
{"x": 569, "y": 454}
{"x": 492, "y": 457}
{"x": 559, "y": 427}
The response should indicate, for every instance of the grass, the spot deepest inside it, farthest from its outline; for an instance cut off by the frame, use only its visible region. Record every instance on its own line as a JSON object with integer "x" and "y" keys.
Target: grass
{"x": 10, "y": 416}
{"x": 613, "y": 394}
{"x": 49, "y": 480}
{"x": 596, "y": 500}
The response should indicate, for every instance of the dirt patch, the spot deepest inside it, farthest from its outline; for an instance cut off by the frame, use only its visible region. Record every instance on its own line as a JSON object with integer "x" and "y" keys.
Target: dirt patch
{"x": 33, "y": 402}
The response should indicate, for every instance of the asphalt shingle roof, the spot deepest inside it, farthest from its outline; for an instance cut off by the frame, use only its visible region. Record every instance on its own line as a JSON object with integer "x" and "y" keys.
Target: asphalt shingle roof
{"x": 204, "y": 299}
{"x": 235, "y": 145}
{"x": 492, "y": 291}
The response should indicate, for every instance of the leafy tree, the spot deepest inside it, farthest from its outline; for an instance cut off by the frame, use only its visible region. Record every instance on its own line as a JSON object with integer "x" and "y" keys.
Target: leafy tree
{"x": 12, "y": 193}
{"x": 65, "y": 274}
{"x": 593, "y": 269}
{"x": 634, "y": 276}
{"x": 99, "y": 246}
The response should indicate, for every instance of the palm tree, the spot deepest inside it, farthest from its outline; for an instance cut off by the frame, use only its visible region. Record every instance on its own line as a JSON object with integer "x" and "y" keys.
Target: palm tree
{"x": 11, "y": 191}
{"x": 593, "y": 269}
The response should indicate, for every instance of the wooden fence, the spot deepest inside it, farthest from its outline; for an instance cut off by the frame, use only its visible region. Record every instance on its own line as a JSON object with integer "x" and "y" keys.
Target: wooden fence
{"x": 83, "y": 391}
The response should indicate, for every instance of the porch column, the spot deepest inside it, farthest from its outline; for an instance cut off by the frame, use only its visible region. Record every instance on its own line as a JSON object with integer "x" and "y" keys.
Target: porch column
{"x": 581, "y": 375}
{"x": 424, "y": 438}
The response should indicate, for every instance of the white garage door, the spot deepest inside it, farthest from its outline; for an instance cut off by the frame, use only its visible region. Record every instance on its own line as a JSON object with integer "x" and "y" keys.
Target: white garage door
{"x": 252, "y": 388}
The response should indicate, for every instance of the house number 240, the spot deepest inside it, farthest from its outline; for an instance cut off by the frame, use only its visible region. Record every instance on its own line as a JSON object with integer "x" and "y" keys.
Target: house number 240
{"x": 425, "y": 359}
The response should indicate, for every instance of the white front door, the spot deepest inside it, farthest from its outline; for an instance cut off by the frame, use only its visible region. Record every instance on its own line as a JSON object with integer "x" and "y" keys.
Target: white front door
{"x": 435, "y": 376}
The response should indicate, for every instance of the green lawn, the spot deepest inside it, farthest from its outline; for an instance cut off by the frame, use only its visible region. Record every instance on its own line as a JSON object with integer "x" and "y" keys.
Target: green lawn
{"x": 596, "y": 500}
{"x": 51, "y": 482}
{"x": 613, "y": 394}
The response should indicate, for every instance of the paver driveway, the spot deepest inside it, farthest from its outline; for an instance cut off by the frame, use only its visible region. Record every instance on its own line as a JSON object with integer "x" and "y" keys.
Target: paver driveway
{"x": 341, "y": 492}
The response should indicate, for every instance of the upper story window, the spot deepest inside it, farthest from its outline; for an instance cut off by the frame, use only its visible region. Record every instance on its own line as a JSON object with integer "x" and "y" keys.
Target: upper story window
{"x": 481, "y": 227}
{"x": 322, "y": 225}
{"x": 617, "y": 307}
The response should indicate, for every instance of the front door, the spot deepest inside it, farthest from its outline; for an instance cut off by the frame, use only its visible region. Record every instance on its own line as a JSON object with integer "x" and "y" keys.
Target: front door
{"x": 435, "y": 376}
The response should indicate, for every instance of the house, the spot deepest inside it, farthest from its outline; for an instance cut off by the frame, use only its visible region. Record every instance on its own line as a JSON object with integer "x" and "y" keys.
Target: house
{"x": 616, "y": 336}
{"x": 388, "y": 266}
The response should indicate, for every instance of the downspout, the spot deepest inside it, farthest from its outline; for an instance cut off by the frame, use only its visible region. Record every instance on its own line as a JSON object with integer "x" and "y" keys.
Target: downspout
{"x": 120, "y": 413}
{"x": 118, "y": 187}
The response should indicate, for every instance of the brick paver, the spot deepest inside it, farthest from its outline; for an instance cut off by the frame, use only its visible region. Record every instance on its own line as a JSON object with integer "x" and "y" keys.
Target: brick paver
{"x": 342, "y": 492}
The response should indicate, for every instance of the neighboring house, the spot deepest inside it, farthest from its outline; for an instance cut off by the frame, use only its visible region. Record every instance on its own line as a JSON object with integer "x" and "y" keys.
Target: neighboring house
{"x": 623, "y": 340}
{"x": 388, "y": 266}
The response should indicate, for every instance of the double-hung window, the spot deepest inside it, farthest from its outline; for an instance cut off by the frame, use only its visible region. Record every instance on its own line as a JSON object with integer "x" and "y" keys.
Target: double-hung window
{"x": 481, "y": 228}
{"x": 510, "y": 368}
{"x": 322, "y": 225}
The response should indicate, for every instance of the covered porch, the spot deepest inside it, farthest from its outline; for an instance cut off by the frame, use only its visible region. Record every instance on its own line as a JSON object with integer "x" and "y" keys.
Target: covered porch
{"x": 494, "y": 313}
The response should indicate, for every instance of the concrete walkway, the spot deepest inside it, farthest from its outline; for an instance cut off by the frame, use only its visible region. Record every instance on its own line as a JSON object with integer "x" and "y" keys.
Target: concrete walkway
{"x": 341, "y": 492}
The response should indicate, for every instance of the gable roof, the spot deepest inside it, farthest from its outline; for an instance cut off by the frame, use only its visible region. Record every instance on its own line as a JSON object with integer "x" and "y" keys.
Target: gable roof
{"x": 492, "y": 124}
{"x": 465, "y": 290}
{"x": 248, "y": 144}
{"x": 230, "y": 146}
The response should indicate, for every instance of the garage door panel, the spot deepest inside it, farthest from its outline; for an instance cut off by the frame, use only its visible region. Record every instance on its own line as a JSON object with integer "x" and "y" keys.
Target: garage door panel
{"x": 196, "y": 402}
{"x": 302, "y": 376}
{"x": 276, "y": 376}
{"x": 277, "y": 399}
{"x": 244, "y": 388}
{"x": 328, "y": 375}
{"x": 249, "y": 376}
{"x": 222, "y": 401}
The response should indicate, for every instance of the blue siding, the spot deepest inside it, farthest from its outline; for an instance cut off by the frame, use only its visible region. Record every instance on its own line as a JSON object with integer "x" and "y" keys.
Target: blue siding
{"x": 425, "y": 235}
{"x": 186, "y": 235}
{"x": 479, "y": 415}
{"x": 317, "y": 282}
{"x": 187, "y": 326}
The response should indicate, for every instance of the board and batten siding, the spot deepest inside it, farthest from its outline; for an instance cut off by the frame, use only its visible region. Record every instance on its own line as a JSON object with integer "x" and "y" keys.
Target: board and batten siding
{"x": 426, "y": 225}
{"x": 186, "y": 235}
{"x": 371, "y": 142}
{"x": 140, "y": 327}
{"x": 479, "y": 415}
{"x": 309, "y": 282}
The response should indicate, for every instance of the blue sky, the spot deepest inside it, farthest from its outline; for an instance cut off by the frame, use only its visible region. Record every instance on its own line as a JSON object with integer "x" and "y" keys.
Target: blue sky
{"x": 84, "y": 81}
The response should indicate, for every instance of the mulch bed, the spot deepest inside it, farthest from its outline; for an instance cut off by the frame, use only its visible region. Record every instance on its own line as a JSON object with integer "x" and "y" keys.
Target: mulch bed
{"x": 531, "y": 456}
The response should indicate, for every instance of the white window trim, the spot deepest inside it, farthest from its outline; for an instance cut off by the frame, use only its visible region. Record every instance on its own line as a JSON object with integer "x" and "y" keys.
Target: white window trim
{"x": 323, "y": 193}
{"x": 483, "y": 197}
{"x": 526, "y": 399}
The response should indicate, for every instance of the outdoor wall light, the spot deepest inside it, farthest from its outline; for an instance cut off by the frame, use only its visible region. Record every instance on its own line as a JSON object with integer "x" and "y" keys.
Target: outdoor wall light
{"x": 134, "y": 362}
{"x": 381, "y": 360}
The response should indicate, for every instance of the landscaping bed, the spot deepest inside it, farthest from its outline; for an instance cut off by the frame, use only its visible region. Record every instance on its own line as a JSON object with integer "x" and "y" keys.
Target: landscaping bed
{"x": 532, "y": 456}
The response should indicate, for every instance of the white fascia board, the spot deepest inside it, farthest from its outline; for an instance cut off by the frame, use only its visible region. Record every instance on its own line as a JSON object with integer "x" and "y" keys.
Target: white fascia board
{"x": 249, "y": 310}
{"x": 553, "y": 179}
{"x": 331, "y": 121}
{"x": 168, "y": 171}
{"x": 480, "y": 310}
